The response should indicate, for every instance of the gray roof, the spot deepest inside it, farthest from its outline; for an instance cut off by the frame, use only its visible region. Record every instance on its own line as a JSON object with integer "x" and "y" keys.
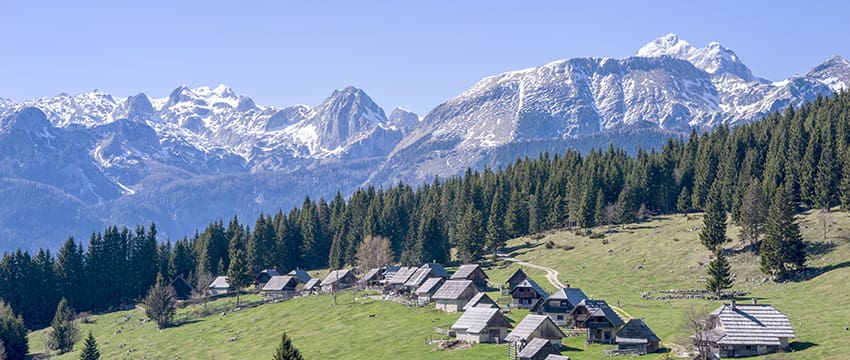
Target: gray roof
{"x": 279, "y": 283}
{"x": 401, "y": 276}
{"x": 533, "y": 348}
{"x": 270, "y": 272}
{"x": 430, "y": 286}
{"x": 371, "y": 275}
{"x": 518, "y": 275}
{"x": 557, "y": 357}
{"x": 526, "y": 328}
{"x": 636, "y": 332}
{"x": 464, "y": 271}
{"x": 300, "y": 275}
{"x": 436, "y": 269}
{"x": 573, "y": 295}
{"x": 452, "y": 289}
{"x": 335, "y": 276}
{"x": 313, "y": 283}
{"x": 220, "y": 282}
{"x": 418, "y": 277}
{"x": 481, "y": 300}
{"x": 750, "y": 325}
{"x": 476, "y": 320}
{"x": 601, "y": 308}
{"x": 531, "y": 284}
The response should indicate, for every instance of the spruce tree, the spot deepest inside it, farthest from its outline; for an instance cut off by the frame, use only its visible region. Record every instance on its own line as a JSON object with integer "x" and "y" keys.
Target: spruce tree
{"x": 599, "y": 209}
{"x": 713, "y": 232}
{"x": 719, "y": 274}
{"x": 782, "y": 249}
{"x": 13, "y": 333}
{"x": 844, "y": 185}
{"x": 495, "y": 236}
{"x": 469, "y": 234}
{"x": 63, "y": 331}
{"x": 683, "y": 203}
{"x": 90, "y": 351}
{"x": 627, "y": 205}
{"x": 753, "y": 213}
{"x": 286, "y": 351}
{"x": 586, "y": 215}
{"x": 239, "y": 273}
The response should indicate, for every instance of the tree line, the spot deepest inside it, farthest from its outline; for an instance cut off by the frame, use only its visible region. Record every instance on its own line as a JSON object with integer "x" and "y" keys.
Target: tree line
{"x": 802, "y": 153}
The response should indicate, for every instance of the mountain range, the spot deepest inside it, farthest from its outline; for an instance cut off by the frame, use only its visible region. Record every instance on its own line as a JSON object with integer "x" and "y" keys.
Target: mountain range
{"x": 73, "y": 164}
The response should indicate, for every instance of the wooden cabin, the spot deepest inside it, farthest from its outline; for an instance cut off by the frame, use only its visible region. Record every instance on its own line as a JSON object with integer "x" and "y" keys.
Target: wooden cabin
{"x": 280, "y": 287}
{"x": 526, "y": 294}
{"x": 600, "y": 321}
{"x": 182, "y": 289}
{"x": 736, "y": 330}
{"x": 559, "y": 304}
{"x": 437, "y": 270}
{"x": 417, "y": 279}
{"x": 535, "y": 326}
{"x": 396, "y": 282}
{"x": 300, "y": 275}
{"x": 472, "y": 272}
{"x": 312, "y": 287}
{"x": 338, "y": 280}
{"x": 428, "y": 289}
{"x": 538, "y": 349}
{"x": 263, "y": 277}
{"x": 372, "y": 279}
{"x": 220, "y": 286}
{"x": 481, "y": 325}
{"x": 453, "y": 295}
{"x": 516, "y": 278}
{"x": 638, "y": 338}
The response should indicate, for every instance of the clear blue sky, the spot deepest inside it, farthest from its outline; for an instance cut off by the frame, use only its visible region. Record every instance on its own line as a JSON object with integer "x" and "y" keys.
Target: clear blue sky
{"x": 414, "y": 55}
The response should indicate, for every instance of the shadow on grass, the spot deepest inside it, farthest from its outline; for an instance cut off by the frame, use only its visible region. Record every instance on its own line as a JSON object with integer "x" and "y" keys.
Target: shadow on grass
{"x": 820, "y": 248}
{"x": 510, "y": 250}
{"x": 183, "y": 322}
{"x": 801, "y": 345}
{"x": 567, "y": 348}
{"x": 811, "y": 273}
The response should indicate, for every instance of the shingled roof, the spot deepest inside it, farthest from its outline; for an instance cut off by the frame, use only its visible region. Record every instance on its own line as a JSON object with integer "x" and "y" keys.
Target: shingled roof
{"x": 601, "y": 308}
{"x": 636, "y": 332}
{"x": 481, "y": 300}
{"x": 528, "y": 283}
{"x": 402, "y": 275}
{"x": 300, "y": 275}
{"x": 430, "y": 286}
{"x": 419, "y": 276}
{"x": 452, "y": 289}
{"x": 335, "y": 276}
{"x": 313, "y": 283}
{"x": 537, "y": 347}
{"x": 220, "y": 283}
{"x": 371, "y": 275}
{"x": 464, "y": 271}
{"x": 437, "y": 269}
{"x": 476, "y": 320}
{"x": 526, "y": 328}
{"x": 749, "y": 325}
{"x": 280, "y": 283}
{"x": 557, "y": 357}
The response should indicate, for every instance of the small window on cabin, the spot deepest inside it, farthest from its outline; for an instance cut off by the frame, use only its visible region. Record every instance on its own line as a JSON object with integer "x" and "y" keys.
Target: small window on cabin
{"x": 748, "y": 347}
{"x": 560, "y": 317}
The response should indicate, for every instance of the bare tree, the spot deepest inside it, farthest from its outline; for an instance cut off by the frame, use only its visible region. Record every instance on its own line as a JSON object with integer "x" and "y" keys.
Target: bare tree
{"x": 825, "y": 221}
{"x": 374, "y": 251}
{"x": 201, "y": 291}
{"x": 696, "y": 323}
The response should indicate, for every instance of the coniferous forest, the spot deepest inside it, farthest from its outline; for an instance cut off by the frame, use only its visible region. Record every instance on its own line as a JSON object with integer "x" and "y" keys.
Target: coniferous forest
{"x": 802, "y": 154}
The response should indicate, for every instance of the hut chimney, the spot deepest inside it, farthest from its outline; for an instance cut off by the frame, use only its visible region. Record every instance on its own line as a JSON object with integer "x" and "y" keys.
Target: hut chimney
{"x": 732, "y": 304}
{"x": 568, "y": 285}
{"x": 755, "y": 301}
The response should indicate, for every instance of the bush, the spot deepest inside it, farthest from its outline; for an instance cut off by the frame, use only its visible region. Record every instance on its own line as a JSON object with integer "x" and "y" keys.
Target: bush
{"x": 597, "y": 235}
{"x": 537, "y": 236}
{"x": 13, "y": 333}
{"x": 550, "y": 244}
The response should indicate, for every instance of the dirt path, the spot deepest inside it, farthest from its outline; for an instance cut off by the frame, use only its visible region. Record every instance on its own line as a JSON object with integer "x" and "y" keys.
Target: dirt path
{"x": 552, "y": 277}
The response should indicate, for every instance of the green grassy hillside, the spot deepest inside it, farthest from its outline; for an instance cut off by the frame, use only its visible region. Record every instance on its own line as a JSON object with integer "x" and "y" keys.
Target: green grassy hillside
{"x": 661, "y": 254}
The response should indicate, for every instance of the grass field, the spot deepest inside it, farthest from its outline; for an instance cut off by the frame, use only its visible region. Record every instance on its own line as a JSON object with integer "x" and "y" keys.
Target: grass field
{"x": 661, "y": 254}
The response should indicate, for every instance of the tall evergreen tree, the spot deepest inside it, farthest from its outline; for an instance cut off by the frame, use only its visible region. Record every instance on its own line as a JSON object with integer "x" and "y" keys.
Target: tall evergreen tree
{"x": 496, "y": 236}
{"x": 753, "y": 213}
{"x": 719, "y": 274}
{"x": 683, "y": 202}
{"x": 239, "y": 273}
{"x": 13, "y": 333}
{"x": 586, "y": 214}
{"x": 286, "y": 351}
{"x": 90, "y": 351}
{"x": 469, "y": 235}
{"x": 69, "y": 269}
{"x": 713, "y": 232}
{"x": 782, "y": 249}
{"x": 63, "y": 331}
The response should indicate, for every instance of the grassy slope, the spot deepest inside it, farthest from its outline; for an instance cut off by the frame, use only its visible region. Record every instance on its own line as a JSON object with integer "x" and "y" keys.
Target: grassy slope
{"x": 666, "y": 248}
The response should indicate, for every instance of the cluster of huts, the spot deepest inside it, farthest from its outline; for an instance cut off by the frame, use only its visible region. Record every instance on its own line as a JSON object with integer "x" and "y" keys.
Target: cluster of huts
{"x": 732, "y": 330}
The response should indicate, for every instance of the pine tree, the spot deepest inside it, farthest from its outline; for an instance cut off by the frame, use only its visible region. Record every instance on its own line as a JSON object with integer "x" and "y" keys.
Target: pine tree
{"x": 713, "y": 232}
{"x": 844, "y": 185}
{"x": 719, "y": 274}
{"x": 495, "y": 236}
{"x": 753, "y": 213}
{"x": 599, "y": 209}
{"x": 239, "y": 273}
{"x": 13, "y": 333}
{"x": 469, "y": 234}
{"x": 586, "y": 215}
{"x": 627, "y": 205}
{"x": 683, "y": 203}
{"x": 90, "y": 351}
{"x": 782, "y": 249}
{"x": 63, "y": 332}
{"x": 286, "y": 351}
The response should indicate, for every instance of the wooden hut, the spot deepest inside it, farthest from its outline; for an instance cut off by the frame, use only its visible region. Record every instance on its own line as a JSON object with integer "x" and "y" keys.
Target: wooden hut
{"x": 736, "y": 330}
{"x": 263, "y": 277}
{"x": 182, "y": 288}
{"x": 428, "y": 289}
{"x": 599, "y": 319}
{"x": 481, "y": 325}
{"x": 536, "y": 326}
{"x": 559, "y": 304}
{"x": 516, "y": 278}
{"x": 220, "y": 286}
{"x": 280, "y": 287}
{"x": 481, "y": 300}
{"x": 538, "y": 349}
{"x": 637, "y": 337}
{"x": 453, "y": 295}
{"x": 526, "y": 294}
{"x": 338, "y": 280}
{"x": 472, "y": 272}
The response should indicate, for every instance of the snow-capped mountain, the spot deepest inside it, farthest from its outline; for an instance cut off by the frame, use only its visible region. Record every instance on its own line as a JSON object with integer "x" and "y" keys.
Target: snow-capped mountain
{"x": 669, "y": 85}
{"x": 208, "y": 152}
